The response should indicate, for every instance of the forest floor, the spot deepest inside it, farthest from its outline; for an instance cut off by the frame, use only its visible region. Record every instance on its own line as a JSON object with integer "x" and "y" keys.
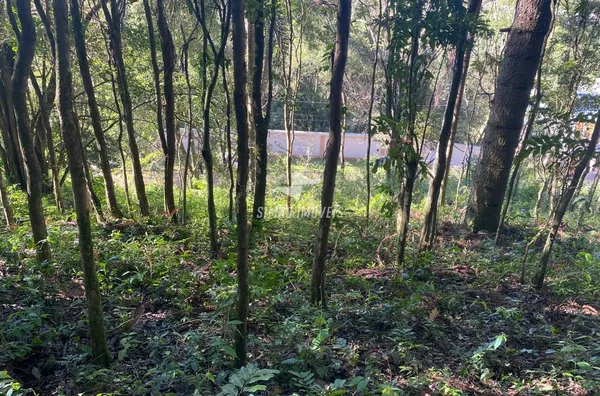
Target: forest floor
{"x": 455, "y": 321}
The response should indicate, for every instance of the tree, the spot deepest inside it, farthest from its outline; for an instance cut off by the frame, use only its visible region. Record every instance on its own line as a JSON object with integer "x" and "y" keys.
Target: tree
{"x": 441, "y": 164}
{"x": 370, "y": 129}
{"x": 74, "y": 148}
{"x": 6, "y": 205}
{"x": 113, "y": 21}
{"x": 241, "y": 116}
{"x": 563, "y": 204}
{"x": 501, "y": 136}
{"x": 12, "y": 155}
{"x": 261, "y": 121}
{"x": 457, "y": 109}
{"x": 88, "y": 85}
{"x": 186, "y": 70}
{"x": 218, "y": 53}
{"x": 340, "y": 55}
{"x": 27, "y": 40}
{"x": 168, "y": 55}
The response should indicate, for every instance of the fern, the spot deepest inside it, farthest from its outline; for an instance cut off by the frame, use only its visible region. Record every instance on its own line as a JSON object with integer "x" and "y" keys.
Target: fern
{"x": 305, "y": 381}
{"x": 247, "y": 379}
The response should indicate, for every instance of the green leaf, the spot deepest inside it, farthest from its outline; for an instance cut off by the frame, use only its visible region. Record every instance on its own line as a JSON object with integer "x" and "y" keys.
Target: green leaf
{"x": 289, "y": 361}
{"x": 585, "y": 366}
{"x": 230, "y": 351}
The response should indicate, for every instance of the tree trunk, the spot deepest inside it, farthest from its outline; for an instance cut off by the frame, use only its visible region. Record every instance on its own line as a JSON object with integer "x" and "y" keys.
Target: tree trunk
{"x": 340, "y": 56}
{"x": 218, "y": 53}
{"x": 15, "y": 171}
{"x": 528, "y": 129}
{"x": 370, "y": 114}
{"x": 585, "y": 208}
{"x": 241, "y": 110}
{"x": 156, "y": 75}
{"x": 6, "y": 205}
{"x": 228, "y": 135}
{"x": 441, "y": 164}
{"x": 76, "y": 159}
{"x": 459, "y": 101}
{"x": 116, "y": 47}
{"x": 261, "y": 126}
{"x": 404, "y": 212}
{"x": 561, "y": 209}
{"x": 538, "y": 201}
{"x": 47, "y": 129}
{"x": 343, "y": 145}
{"x": 186, "y": 70}
{"x": 120, "y": 137}
{"x": 88, "y": 85}
{"x": 168, "y": 55}
{"x": 32, "y": 167}
{"x": 501, "y": 136}
{"x": 261, "y": 121}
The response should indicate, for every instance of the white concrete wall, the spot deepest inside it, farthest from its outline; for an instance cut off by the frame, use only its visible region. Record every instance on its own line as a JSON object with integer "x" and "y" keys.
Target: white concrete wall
{"x": 313, "y": 144}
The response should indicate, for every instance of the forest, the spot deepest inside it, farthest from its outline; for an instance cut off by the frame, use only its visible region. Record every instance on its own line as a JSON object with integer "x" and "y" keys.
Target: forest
{"x": 299, "y": 197}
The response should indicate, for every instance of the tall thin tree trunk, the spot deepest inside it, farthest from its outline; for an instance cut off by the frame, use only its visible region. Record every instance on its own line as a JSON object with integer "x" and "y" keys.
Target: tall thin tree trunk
{"x": 228, "y": 135}
{"x": 76, "y": 160}
{"x": 47, "y": 128}
{"x": 538, "y": 201}
{"x": 561, "y": 209}
{"x": 114, "y": 31}
{"x": 168, "y": 55}
{"x": 88, "y": 85}
{"x": 120, "y": 137}
{"x": 20, "y": 76}
{"x": 585, "y": 208}
{"x": 317, "y": 291}
{"x": 6, "y": 205}
{"x": 241, "y": 110}
{"x": 441, "y": 165}
{"x": 411, "y": 163}
{"x": 261, "y": 127}
{"x": 370, "y": 113}
{"x": 218, "y": 53}
{"x": 343, "y": 146}
{"x": 501, "y": 137}
{"x": 457, "y": 108}
{"x": 190, "y": 139}
{"x": 15, "y": 171}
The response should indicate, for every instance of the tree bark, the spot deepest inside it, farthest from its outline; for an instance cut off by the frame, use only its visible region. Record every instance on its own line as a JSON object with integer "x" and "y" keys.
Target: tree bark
{"x": 501, "y": 136}
{"x": 168, "y": 55}
{"x": 15, "y": 171}
{"x": 186, "y": 70}
{"x": 114, "y": 31}
{"x": 585, "y": 208}
{"x": 88, "y": 85}
{"x": 76, "y": 160}
{"x": 340, "y": 56}
{"x": 32, "y": 167}
{"x": 528, "y": 129}
{"x": 370, "y": 113}
{"x": 156, "y": 75}
{"x": 563, "y": 204}
{"x": 457, "y": 109}
{"x": 261, "y": 121}
{"x": 241, "y": 115}
{"x": 47, "y": 129}
{"x": 218, "y": 53}
{"x": 6, "y": 205}
{"x": 441, "y": 164}
{"x": 228, "y": 136}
